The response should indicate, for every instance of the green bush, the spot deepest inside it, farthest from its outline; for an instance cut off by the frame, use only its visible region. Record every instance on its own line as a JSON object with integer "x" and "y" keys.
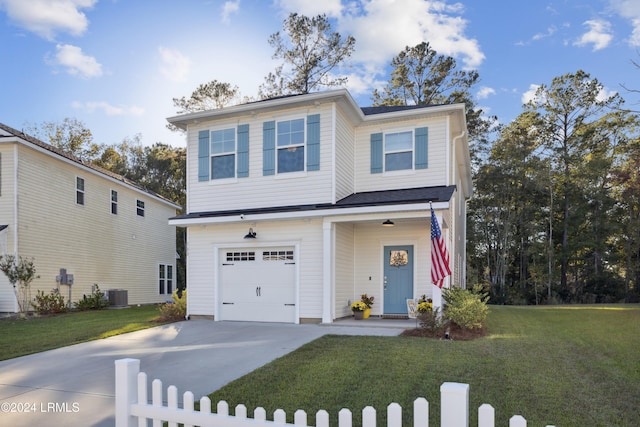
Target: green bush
{"x": 95, "y": 301}
{"x": 176, "y": 309}
{"x": 52, "y": 303}
{"x": 467, "y": 309}
{"x": 432, "y": 321}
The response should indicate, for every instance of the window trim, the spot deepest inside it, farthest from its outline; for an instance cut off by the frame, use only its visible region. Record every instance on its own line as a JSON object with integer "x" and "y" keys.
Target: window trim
{"x": 166, "y": 282}
{"x": 386, "y": 132}
{"x": 304, "y": 145}
{"x": 140, "y": 208}
{"x": 80, "y": 191}
{"x": 113, "y": 203}
{"x": 226, "y": 153}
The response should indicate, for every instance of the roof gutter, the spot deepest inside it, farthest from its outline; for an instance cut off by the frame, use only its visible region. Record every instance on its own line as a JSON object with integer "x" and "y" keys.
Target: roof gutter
{"x": 391, "y": 211}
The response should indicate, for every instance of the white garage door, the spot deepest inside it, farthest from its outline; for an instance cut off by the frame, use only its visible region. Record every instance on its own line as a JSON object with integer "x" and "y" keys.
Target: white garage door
{"x": 258, "y": 284}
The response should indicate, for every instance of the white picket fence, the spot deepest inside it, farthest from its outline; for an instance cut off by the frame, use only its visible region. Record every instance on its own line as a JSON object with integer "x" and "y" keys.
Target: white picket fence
{"x": 133, "y": 408}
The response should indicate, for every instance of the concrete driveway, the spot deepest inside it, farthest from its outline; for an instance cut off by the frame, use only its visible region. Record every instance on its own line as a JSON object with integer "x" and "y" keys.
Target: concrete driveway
{"x": 75, "y": 385}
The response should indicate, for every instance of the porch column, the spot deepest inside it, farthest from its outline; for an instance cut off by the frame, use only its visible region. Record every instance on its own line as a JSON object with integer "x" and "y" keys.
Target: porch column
{"x": 327, "y": 270}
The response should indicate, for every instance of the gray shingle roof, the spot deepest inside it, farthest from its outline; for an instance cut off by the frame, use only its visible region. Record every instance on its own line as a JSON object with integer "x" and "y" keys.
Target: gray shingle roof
{"x": 56, "y": 151}
{"x": 370, "y": 198}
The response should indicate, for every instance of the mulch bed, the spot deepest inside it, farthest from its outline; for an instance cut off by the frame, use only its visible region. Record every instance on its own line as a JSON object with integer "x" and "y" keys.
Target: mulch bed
{"x": 456, "y": 333}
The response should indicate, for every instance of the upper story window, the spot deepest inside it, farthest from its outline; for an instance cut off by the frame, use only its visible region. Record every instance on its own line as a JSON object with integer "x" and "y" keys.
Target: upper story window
{"x": 139, "y": 207}
{"x": 223, "y": 154}
{"x": 114, "y": 202}
{"x": 79, "y": 190}
{"x": 290, "y": 145}
{"x": 399, "y": 150}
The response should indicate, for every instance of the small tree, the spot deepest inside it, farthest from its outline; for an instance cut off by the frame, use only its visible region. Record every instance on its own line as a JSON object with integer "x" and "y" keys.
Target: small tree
{"x": 20, "y": 272}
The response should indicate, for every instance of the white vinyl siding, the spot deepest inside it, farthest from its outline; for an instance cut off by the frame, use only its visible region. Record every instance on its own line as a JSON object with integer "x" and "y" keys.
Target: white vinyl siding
{"x": 344, "y": 157}
{"x": 345, "y": 269}
{"x": 113, "y": 251}
{"x": 204, "y": 277}
{"x": 370, "y": 239}
{"x": 434, "y": 175}
{"x": 256, "y": 190}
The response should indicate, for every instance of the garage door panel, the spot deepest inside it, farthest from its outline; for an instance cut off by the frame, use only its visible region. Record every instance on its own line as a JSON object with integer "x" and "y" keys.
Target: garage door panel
{"x": 258, "y": 285}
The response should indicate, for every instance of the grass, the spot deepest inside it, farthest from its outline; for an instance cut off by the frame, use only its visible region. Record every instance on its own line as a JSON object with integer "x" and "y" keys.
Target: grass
{"x": 557, "y": 365}
{"x": 19, "y": 337}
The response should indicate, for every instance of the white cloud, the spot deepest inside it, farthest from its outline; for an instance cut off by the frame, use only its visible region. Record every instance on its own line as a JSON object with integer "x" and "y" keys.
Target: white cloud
{"x": 108, "y": 109}
{"x": 485, "y": 92}
{"x": 174, "y": 65}
{"x": 228, "y": 8}
{"x": 629, "y": 9}
{"x": 332, "y": 8}
{"x": 382, "y": 30}
{"x": 550, "y": 31}
{"x": 48, "y": 17}
{"x": 605, "y": 94}
{"x": 76, "y": 62}
{"x": 599, "y": 34}
{"x": 530, "y": 94}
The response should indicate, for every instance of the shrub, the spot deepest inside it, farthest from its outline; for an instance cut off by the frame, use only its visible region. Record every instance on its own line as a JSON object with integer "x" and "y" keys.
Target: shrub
{"x": 175, "y": 309}
{"x": 467, "y": 309}
{"x": 95, "y": 301}
{"x": 432, "y": 321}
{"x": 52, "y": 303}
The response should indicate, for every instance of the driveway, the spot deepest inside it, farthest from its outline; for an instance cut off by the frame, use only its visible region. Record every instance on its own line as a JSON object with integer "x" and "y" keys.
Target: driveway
{"x": 75, "y": 385}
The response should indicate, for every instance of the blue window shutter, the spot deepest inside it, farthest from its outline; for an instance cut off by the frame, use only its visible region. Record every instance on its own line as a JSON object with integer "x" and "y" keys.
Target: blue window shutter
{"x": 376, "y": 153}
{"x": 422, "y": 144}
{"x": 243, "y": 151}
{"x": 313, "y": 142}
{"x": 269, "y": 148}
{"x": 203, "y": 155}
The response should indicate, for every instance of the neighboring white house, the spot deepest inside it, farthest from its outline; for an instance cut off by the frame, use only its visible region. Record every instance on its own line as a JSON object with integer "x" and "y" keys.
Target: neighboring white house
{"x": 287, "y": 201}
{"x": 68, "y": 214}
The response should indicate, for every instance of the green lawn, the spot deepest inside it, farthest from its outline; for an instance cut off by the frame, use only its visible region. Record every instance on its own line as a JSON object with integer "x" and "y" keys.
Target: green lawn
{"x": 560, "y": 365}
{"x": 25, "y": 336}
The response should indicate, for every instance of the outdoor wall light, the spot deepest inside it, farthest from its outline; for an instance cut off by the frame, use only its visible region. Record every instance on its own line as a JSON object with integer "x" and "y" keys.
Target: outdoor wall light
{"x": 388, "y": 223}
{"x": 251, "y": 234}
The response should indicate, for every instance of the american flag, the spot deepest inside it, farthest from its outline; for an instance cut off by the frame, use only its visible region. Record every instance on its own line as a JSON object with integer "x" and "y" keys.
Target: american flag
{"x": 439, "y": 254}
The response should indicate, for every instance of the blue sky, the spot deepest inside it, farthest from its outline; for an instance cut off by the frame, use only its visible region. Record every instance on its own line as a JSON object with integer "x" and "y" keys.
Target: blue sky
{"x": 116, "y": 64}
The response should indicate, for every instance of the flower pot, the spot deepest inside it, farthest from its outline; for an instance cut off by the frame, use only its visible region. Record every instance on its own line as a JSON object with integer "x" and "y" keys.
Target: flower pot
{"x": 358, "y": 315}
{"x": 366, "y": 313}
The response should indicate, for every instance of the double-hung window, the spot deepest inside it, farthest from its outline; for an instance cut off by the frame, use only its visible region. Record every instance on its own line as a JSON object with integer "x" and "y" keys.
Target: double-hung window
{"x": 398, "y": 151}
{"x": 140, "y": 208}
{"x": 223, "y": 153}
{"x": 165, "y": 279}
{"x": 290, "y": 145}
{"x": 114, "y": 202}
{"x": 79, "y": 190}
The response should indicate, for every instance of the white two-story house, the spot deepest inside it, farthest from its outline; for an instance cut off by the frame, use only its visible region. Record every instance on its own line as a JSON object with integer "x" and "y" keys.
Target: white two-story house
{"x": 296, "y": 206}
{"x": 99, "y": 227}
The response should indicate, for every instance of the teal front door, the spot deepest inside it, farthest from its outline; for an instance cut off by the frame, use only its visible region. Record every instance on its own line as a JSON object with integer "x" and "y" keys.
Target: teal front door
{"x": 398, "y": 278}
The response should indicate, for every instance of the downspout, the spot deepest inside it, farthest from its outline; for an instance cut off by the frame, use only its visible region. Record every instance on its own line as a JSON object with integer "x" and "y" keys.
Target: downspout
{"x": 15, "y": 213}
{"x": 463, "y": 274}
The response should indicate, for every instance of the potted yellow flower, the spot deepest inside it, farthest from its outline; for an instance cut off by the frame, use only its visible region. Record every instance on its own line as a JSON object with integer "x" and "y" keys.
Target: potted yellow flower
{"x": 358, "y": 309}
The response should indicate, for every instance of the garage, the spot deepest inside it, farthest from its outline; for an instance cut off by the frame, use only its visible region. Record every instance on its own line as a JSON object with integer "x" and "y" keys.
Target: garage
{"x": 258, "y": 284}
